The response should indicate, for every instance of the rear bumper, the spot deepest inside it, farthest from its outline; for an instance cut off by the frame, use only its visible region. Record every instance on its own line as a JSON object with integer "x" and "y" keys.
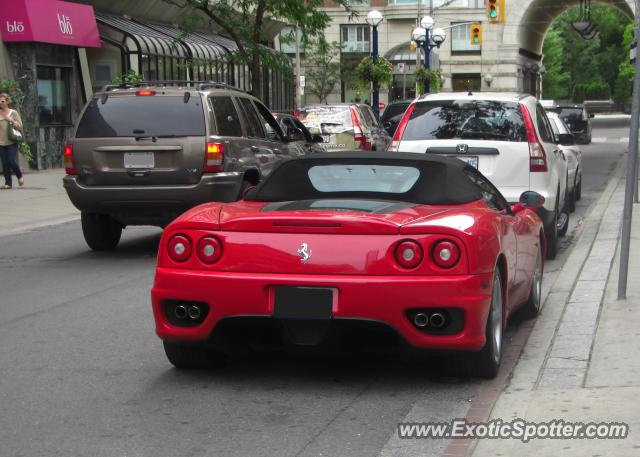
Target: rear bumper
{"x": 151, "y": 204}
{"x": 383, "y": 299}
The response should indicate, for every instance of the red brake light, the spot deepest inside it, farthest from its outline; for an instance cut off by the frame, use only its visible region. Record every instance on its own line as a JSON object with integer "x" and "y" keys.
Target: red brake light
{"x": 397, "y": 136}
{"x": 179, "y": 248}
{"x": 296, "y": 114}
{"x": 209, "y": 249}
{"x": 537, "y": 157}
{"x": 445, "y": 253}
{"x": 409, "y": 254}
{"x": 358, "y": 135}
{"x": 145, "y": 92}
{"x": 214, "y": 160}
{"x": 67, "y": 158}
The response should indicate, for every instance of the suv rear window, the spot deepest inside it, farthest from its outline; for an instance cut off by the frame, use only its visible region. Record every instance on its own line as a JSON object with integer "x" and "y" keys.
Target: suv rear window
{"x": 465, "y": 119}
{"x": 571, "y": 114}
{"x": 394, "y": 109}
{"x": 146, "y": 115}
{"x": 326, "y": 120}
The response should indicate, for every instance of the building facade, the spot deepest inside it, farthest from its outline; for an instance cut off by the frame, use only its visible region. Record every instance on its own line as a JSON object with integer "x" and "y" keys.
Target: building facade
{"x": 59, "y": 53}
{"x": 498, "y": 63}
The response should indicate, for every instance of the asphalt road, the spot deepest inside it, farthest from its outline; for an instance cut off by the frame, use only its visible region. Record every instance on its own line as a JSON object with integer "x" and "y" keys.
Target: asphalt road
{"x": 83, "y": 373}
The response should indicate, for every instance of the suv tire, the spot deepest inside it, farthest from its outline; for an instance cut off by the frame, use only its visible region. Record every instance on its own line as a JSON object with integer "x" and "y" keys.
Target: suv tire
{"x": 551, "y": 232}
{"x": 101, "y": 231}
{"x": 563, "y": 216}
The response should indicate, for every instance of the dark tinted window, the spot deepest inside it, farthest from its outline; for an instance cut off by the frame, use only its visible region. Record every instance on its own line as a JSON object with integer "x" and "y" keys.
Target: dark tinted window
{"x": 227, "y": 120}
{"x": 463, "y": 119}
{"x": 254, "y": 128}
{"x": 368, "y": 116}
{"x": 571, "y": 114}
{"x": 270, "y": 124}
{"x": 147, "y": 115}
{"x": 393, "y": 110}
{"x": 543, "y": 127}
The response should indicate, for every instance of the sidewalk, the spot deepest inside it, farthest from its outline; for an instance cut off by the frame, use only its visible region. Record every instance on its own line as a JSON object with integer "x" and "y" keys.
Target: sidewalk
{"x": 581, "y": 362}
{"x": 41, "y": 201}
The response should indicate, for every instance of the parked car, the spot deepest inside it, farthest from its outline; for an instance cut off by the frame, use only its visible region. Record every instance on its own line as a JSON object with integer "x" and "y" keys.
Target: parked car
{"x": 506, "y": 136}
{"x": 142, "y": 154}
{"x": 413, "y": 231}
{"x": 392, "y": 115}
{"x": 577, "y": 119}
{"x": 572, "y": 152}
{"x": 345, "y": 126}
{"x": 299, "y": 135}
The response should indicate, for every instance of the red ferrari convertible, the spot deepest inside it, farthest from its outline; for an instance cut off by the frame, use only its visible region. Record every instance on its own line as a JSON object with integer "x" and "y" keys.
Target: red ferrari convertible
{"x": 424, "y": 247}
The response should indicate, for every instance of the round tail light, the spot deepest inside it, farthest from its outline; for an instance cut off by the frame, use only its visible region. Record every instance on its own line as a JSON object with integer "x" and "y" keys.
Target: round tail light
{"x": 209, "y": 249}
{"x": 446, "y": 253}
{"x": 179, "y": 248}
{"x": 409, "y": 254}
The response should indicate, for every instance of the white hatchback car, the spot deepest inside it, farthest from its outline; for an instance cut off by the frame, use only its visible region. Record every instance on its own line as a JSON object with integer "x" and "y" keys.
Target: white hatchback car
{"x": 572, "y": 152}
{"x": 506, "y": 136}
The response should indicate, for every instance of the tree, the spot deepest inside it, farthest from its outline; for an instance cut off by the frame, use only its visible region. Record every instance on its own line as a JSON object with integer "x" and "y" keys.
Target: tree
{"x": 555, "y": 81}
{"x": 624, "y": 81}
{"x": 245, "y": 21}
{"x": 325, "y": 72}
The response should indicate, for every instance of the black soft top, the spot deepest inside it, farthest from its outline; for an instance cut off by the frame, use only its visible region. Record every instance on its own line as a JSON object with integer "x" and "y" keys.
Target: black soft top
{"x": 441, "y": 181}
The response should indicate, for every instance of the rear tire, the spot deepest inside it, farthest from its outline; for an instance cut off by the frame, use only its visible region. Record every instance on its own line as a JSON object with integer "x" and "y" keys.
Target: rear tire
{"x": 192, "y": 356}
{"x": 579, "y": 188}
{"x": 563, "y": 217}
{"x": 486, "y": 363}
{"x": 534, "y": 302}
{"x": 101, "y": 231}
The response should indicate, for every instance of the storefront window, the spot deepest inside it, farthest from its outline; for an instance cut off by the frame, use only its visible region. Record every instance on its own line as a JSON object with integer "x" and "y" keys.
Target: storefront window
{"x": 54, "y": 106}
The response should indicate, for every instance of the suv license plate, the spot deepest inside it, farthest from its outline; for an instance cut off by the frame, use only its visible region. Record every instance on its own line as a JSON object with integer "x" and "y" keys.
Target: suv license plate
{"x": 139, "y": 160}
{"x": 471, "y": 160}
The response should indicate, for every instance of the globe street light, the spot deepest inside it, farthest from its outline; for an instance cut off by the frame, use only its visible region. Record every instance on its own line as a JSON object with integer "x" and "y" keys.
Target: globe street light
{"x": 374, "y": 18}
{"x": 428, "y": 38}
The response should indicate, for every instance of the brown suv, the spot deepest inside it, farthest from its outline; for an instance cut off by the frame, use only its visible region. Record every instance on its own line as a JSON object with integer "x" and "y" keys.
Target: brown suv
{"x": 144, "y": 153}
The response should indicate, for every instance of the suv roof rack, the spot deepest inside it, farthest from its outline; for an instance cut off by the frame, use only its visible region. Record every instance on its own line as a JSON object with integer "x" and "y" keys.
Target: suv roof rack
{"x": 198, "y": 85}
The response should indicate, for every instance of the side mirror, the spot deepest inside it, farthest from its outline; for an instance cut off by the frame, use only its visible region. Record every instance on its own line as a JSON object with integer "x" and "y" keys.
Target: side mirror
{"x": 531, "y": 199}
{"x": 317, "y": 139}
{"x": 565, "y": 139}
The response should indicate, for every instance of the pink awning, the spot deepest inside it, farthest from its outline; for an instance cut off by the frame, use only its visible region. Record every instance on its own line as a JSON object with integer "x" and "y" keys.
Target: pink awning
{"x": 49, "y": 21}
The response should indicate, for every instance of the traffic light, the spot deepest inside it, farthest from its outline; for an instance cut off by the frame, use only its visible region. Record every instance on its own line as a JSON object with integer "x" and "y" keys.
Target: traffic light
{"x": 476, "y": 34}
{"x": 495, "y": 11}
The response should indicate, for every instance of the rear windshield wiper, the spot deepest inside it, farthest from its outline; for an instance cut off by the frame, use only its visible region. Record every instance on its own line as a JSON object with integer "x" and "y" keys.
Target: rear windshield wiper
{"x": 154, "y": 138}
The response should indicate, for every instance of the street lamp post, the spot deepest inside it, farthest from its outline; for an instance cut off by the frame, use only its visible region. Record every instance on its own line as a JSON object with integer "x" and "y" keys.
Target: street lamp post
{"x": 374, "y": 18}
{"x": 428, "y": 38}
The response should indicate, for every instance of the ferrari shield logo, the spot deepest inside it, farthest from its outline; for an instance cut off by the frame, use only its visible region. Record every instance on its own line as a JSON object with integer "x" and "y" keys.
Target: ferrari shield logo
{"x": 304, "y": 252}
{"x": 462, "y": 148}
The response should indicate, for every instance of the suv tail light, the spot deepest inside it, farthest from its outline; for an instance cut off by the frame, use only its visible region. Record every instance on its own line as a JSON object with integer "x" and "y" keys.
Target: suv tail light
{"x": 214, "y": 160}
{"x": 537, "y": 157}
{"x": 358, "y": 134}
{"x": 69, "y": 163}
{"x": 445, "y": 253}
{"x": 409, "y": 254}
{"x": 397, "y": 136}
{"x": 145, "y": 92}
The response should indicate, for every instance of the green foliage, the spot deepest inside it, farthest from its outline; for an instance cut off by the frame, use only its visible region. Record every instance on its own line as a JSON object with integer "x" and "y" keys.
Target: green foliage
{"x": 433, "y": 77}
{"x": 598, "y": 90}
{"x": 375, "y": 70}
{"x": 572, "y": 61}
{"x": 247, "y": 23}
{"x": 129, "y": 77}
{"x": 624, "y": 81}
{"x": 322, "y": 77}
{"x": 555, "y": 81}
{"x": 14, "y": 91}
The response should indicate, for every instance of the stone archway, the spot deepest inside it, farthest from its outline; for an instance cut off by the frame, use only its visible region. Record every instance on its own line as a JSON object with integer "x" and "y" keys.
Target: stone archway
{"x": 513, "y": 51}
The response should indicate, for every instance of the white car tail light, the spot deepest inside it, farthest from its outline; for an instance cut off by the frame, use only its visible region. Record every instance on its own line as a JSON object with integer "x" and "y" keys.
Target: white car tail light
{"x": 397, "y": 136}
{"x": 537, "y": 157}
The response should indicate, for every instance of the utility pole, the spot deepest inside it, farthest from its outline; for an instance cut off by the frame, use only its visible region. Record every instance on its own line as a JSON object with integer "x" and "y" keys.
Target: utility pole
{"x": 632, "y": 167}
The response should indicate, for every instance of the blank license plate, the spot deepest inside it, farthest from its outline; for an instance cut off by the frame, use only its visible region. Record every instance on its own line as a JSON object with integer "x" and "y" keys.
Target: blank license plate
{"x": 471, "y": 160}
{"x": 139, "y": 160}
{"x": 303, "y": 303}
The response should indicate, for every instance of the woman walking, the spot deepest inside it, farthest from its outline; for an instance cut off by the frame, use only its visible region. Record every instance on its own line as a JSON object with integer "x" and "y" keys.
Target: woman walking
{"x": 8, "y": 147}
